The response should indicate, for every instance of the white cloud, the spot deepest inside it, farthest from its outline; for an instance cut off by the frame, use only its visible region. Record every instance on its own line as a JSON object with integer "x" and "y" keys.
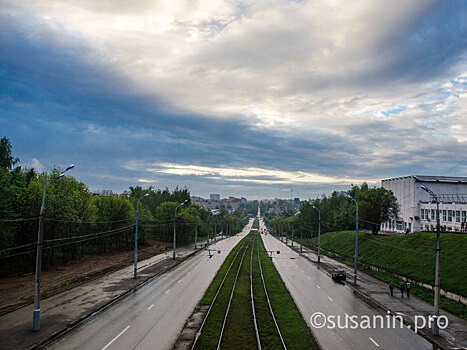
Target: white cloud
{"x": 252, "y": 175}
{"x": 281, "y": 64}
{"x": 37, "y": 165}
{"x": 311, "y": 72}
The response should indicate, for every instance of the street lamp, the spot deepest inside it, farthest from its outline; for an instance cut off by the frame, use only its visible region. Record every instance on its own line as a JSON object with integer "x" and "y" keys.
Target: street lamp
{"x": 36, "y": 320}
{"x": 175, "y": 227}
{"x": 196, "y": 227}
{"x": 136, "y": 236}
{"x": 319, "y": 234}
{"x": 437, "y": 268}
{"x": 355, "y": 264}
{"x": 298, "y": 213}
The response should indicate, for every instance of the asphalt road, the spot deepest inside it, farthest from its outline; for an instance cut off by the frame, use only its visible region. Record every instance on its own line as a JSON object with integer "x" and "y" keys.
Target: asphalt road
{"x": 315, "y": 292}
{"x": 153, "y": 316}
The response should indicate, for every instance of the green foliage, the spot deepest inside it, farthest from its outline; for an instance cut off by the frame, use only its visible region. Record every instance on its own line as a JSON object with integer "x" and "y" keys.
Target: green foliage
{"x": 376, "y": 205}
{"x": 76, "y": 222}
{"x": 7, "y": 161}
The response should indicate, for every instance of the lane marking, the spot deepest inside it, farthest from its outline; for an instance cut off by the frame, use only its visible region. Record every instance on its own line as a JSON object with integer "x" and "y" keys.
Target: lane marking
{"x": 114, "y": 339}
{"x": 309, "y": 277}
{"x": 149, "y": 308}
{"x": 374, "y": 342}
{"x": 188, "y": 273}
{"x": 318, "y": 286}
{"x": 330, "y": 298}
{"x": 179, "y": 281}
{"x": 168, "y": 291}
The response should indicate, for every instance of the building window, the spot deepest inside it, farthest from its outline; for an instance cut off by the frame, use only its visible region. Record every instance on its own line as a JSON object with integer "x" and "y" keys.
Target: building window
{"x": 422, "y": 214}
{"x": 445, "y": 217}
{"x": 458, "y": 216}
{"x": 464, "y": 215}
{"x": 450, "y": 215}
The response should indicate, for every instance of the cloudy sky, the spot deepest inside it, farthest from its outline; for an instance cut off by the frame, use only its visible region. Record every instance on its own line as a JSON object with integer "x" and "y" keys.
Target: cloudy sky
{"x": 244, "y": 98}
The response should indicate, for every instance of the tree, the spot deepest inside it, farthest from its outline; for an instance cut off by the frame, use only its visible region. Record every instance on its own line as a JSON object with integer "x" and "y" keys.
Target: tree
{"x": 376, "y": 205}
{"x": 7, "y": 161}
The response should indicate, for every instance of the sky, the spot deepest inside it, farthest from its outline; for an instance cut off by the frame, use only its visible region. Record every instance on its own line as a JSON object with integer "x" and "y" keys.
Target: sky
{"x": 260, "y": 99}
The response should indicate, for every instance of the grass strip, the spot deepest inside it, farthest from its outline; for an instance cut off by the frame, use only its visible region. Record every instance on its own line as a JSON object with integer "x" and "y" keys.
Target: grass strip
{"x": 295, "y": 331}
{"x": 213, "y": 325}
{"x": 269, "y": 336}
{"x": 239, "y": 331}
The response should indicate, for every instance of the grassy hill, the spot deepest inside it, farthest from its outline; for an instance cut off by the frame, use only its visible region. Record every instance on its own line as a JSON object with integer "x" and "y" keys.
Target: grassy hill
{"x": 412, "y": 256}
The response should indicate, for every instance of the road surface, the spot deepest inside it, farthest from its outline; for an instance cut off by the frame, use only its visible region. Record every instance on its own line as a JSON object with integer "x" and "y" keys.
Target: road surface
{"x": 153, "y": 316}
{"x": 315, "y": 293}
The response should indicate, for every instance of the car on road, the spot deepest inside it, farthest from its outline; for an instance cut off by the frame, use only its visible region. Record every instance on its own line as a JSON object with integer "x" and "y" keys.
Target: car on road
{"x": 338, "y": 275}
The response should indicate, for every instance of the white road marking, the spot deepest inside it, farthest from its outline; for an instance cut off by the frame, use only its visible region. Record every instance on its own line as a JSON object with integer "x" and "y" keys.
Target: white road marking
{"x": 318, "y": 286}
{"x": 374, "y": 342}
{"x": 188, "y": 273}
{"x": 179, "y": 281}
{"x": 114, "y": 339}
{"x": 330, "y": 298}
{"x": 149, "y": 308}
{"x": 309, "y": 277}
{"x": 168, "y": 290}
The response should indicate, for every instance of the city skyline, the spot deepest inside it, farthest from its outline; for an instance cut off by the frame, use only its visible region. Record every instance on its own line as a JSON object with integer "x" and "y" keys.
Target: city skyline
{"x": 242, "y": 98}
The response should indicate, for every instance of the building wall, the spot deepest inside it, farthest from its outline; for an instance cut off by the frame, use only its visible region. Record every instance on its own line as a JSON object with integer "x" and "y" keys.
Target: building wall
{"x": 404, "y": 190}
{"x": 416, "y": 205}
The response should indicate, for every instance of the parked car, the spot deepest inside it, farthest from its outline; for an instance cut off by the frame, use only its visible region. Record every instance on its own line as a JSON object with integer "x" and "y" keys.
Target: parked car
{"x": 338, "y": 275}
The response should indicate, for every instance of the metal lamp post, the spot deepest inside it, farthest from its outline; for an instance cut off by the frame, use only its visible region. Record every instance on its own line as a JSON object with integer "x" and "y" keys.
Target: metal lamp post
{"x": 135, "y": 274}
{"x": 196, "y": 227}
{"x": 355, "y": 261}
{"x": 319, "y": 234}
{"x": 36, "y": 321}
{"x": 437, "y": 268}
{"x": 175, "y": 228}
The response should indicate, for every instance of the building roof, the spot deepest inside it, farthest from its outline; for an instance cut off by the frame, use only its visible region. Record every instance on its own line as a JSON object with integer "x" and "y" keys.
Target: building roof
{"x": 432, "y": 178}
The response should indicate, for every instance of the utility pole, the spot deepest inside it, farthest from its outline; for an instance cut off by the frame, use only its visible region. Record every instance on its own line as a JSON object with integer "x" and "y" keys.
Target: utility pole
{"x": 437, "y": 267}
{"x": 36, "y": 320}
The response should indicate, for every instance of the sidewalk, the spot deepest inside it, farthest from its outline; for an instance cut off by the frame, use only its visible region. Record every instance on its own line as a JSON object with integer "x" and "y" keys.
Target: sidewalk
{"x": 376, "y": 293}
{"x": 62, "y": 311}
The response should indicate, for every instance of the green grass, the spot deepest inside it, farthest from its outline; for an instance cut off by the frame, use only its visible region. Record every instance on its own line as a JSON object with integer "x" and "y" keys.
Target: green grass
{"x": 255, "y": 224}
{"x": 240, "y": 332}
{"x": 296, "y": 333}
{"x": 412, "y": 256}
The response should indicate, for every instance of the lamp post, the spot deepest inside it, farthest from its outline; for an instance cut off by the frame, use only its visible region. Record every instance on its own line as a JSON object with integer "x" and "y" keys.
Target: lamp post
{"x": 196, "y": 227}
{"x": 319, "y": 234}
{"x": 355, "y": 261}
{"x": 175, "y": 227}
{"x": 135, "y": 274}
{"x": 437, "y": 268}
{"x": 36, "y": 320}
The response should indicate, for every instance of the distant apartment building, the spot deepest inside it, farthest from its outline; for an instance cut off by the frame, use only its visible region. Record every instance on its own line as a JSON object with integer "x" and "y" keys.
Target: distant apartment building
{"x": 215, "y": 202}
{"x": 102, "y": 193}
{"x": 215, "y": 197}
{"x": 417, "y": 210}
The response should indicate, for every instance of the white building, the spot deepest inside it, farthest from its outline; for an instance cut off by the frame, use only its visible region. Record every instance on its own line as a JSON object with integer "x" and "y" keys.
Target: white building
{"x": 215, "y": 197}
{"x": 417, "y": 210}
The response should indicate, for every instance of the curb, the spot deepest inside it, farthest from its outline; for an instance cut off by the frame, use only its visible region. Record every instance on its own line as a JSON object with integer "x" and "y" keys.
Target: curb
{"x": 69, "y": 327}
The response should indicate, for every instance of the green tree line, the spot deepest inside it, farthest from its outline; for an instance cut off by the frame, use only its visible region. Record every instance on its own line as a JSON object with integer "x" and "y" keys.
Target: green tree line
{"x": 78, "y": 223}
{"x": 337, "y": 212}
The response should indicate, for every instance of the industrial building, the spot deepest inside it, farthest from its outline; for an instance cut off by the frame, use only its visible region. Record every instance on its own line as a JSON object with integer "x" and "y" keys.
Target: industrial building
{"x": 417, "y": 208}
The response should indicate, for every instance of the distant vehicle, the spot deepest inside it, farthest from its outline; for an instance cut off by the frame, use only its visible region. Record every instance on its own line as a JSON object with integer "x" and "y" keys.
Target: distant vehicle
{"x": 338, "y": 275}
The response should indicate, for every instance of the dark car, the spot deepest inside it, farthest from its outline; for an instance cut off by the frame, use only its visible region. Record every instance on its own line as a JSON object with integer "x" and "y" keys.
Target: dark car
{"x": 338, "y": 275}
